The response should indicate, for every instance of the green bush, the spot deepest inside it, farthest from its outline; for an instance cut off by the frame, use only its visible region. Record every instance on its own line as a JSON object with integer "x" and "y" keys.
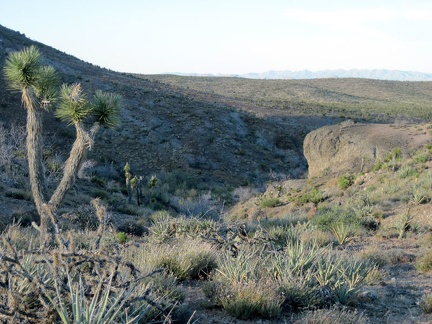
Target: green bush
{"x": 310, "y": 195}
{"x": 327, "y": 217}
{"x": 269, "y": 202}
{"x": 406, "y": 171}
{"x": 345, "y": 181}
{"x": 421, "y": 158}
{"x": 121, "y": 237}
{"x": 377, "y": 166}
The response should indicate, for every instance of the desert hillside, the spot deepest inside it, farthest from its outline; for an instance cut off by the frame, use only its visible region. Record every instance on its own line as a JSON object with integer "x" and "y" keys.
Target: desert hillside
{"x": 252, "y": 201}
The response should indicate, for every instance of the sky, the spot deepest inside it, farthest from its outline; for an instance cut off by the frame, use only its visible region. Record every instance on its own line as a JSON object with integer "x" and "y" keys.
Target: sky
{"x": 231, "y": 36}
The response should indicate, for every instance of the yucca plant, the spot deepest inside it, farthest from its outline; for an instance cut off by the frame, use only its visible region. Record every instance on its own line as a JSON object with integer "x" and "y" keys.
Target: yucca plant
{"x": 342, "y": 232}
{"x": 103, "y": 307}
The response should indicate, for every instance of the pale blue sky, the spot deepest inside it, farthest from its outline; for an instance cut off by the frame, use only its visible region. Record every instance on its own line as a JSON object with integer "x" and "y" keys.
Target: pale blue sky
{"x": 231, "y": 36}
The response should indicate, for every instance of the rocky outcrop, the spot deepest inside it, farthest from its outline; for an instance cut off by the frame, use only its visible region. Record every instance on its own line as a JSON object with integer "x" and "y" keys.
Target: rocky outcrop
{"x": 357, "y": 147}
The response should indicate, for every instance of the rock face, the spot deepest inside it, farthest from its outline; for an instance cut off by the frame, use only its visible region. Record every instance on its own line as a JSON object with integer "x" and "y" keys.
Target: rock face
{"x": 357, "y": 147}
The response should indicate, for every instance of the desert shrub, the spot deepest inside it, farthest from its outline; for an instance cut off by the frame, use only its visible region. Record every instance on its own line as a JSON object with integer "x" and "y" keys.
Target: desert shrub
{"x": 377, "y": 166}
{"x": 395, "y": 154}
{"x": 128, "y": 209}
{"x": 25, "y": 218}
{"x": 12, "y": 146}
{"x": 327, "y": 217}
{"x": 382, "y": 258}
{"x": 98, "y": 181}
{"x": 186, "y": 259}
{"x": 198, "y": 205}
{"x": 102, "y": 194}
{"x": 421, "y": 158}
{"x": 133, "y": 228}
{"x": 370, "y": 223}
{"x": 406, "y": 171}
{"x": 269, "y": 202}
{"x": 424, "y": 263}
{"x": 242, "y": 287}
{"x": 19, "y": 194}
{"x": 281, "y": 235}
{"x": 250, "y": 300}
{"x": 84, "y": 216}
{"x": 105, "y": 170}
{"x": 165, "y": 227}
{"x": 243, "y": 193}
{"x": 426, "y": 304}
{"x": 317, "y": 237}
{"x": 345, "y": 181}
{"x": 121, "y": 237}
{"x": 54, "y": 165}
{"x": 310, "y": 195}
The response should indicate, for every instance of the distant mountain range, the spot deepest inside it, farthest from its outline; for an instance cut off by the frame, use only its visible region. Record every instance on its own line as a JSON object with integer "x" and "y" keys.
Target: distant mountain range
{"x": 379, "y": 74}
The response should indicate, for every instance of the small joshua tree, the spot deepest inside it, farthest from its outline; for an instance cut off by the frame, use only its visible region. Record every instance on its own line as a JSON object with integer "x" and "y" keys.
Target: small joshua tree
{"x": 38, "y": 86}
{"x": 128, "y": 177}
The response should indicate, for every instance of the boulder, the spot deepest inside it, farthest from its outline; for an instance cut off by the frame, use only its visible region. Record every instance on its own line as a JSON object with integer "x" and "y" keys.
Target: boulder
{"x": 356, "y": 148}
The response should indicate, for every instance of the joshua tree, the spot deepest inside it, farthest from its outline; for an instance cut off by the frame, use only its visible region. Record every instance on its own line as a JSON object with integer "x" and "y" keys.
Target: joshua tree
{"x": 38, "y": 85}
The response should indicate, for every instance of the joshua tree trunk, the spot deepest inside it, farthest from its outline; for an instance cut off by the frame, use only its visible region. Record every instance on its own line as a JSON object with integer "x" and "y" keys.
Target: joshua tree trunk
{"x": 35, "y": 162}
{"x": 83, "y": 141}
{"x": 34, "y": 150}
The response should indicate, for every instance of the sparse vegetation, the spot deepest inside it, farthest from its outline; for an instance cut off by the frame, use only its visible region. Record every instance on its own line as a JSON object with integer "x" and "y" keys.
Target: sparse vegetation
{"x": 171, "y": 234}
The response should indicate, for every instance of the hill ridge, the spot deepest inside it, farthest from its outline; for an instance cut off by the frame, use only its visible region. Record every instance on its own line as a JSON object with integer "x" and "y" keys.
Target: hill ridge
{"x": 374, "y": 74}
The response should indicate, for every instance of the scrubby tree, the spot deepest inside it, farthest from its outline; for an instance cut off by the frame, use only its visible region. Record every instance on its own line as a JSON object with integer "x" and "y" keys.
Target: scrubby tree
{"x": 38, "y": 85}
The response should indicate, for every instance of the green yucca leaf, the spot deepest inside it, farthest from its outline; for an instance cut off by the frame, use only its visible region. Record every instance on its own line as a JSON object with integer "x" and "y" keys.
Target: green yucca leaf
{"x": 46, "y": 85}
{"x": 106, "y": 108}
{"x": 22, "y": 68}
{"x": 74, "y": 106}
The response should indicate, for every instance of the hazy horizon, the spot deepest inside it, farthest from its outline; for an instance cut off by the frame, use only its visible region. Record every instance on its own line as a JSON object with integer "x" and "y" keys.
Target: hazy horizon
{"x": 232, "y": 37}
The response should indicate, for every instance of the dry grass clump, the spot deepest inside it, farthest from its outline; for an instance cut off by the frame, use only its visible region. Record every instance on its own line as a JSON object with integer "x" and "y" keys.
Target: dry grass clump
{"x": 424, "y": 263}
{"x": 385, "y": 257}
{"x": 184, "y": 258}
{"x": 332, "y": 316}
{"x": 318, "y": 237}
{"x": 252, "y": 299}
{"x": 426, "y": 303}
